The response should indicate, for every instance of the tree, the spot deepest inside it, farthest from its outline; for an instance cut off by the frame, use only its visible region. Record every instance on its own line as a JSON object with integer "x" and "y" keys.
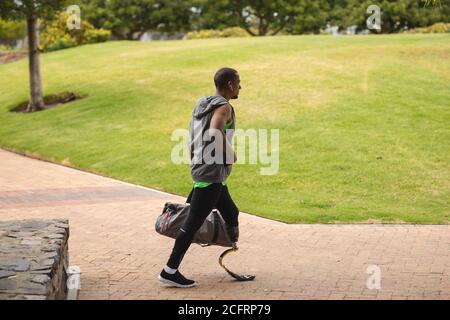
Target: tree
{"x": 310, "y": 16}
{"x": 399, "y": 15}
{"x": 338, "y": 13}
{"x": 257, "y": 17}
{"x": 215, "y": 15}
{"x": 32, "y": 11}
{"x": 130, "y": 19}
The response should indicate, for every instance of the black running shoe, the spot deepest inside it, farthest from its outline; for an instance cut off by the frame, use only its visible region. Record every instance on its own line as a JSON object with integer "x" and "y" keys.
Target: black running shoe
{"x": 176, "y": 279}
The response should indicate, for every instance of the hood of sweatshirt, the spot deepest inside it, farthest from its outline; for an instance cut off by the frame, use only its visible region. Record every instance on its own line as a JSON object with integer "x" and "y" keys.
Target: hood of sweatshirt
{"x": 207, "y": 104}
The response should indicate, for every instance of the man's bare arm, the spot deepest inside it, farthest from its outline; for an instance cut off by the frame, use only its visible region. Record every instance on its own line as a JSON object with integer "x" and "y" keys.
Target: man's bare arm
{"x": 218, "y": 121}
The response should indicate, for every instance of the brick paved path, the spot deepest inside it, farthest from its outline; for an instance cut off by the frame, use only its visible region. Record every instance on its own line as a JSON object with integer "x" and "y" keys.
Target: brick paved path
{"x": 112, "y": 240}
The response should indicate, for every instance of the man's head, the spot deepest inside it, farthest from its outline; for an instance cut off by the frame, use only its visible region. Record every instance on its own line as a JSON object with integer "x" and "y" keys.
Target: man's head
{"x": 227, "y": 82}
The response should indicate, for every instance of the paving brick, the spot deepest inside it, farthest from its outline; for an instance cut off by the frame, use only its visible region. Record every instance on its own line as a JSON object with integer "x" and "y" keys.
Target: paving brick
{"x": 120, "y": 255}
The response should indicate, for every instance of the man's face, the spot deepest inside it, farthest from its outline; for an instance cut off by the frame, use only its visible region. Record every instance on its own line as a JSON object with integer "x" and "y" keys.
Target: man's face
{"x": 235, "y": 87}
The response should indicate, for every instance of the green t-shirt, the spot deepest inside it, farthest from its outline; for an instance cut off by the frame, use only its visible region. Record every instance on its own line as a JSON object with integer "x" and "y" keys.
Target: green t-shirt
{"x": 201, "y": 184}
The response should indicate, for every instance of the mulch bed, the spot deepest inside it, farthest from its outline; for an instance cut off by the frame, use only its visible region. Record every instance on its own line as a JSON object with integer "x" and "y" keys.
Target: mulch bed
{"x": 51, "y": 101}
{"x": 8, "y": 57}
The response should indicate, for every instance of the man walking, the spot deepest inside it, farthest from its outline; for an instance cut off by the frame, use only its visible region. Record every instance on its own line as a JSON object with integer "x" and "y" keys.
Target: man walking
{"x": 212, "y": 156}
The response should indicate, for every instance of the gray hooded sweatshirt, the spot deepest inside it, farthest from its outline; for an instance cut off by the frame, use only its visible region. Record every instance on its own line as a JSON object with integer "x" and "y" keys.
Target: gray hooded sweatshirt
{"x": 202, "y": 170}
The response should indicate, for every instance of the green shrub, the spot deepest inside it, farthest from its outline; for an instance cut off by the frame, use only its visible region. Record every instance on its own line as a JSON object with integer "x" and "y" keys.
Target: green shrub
{"x": 225, "y": 33}
{"x": 435, "y": 28}
{"x": 55, "y": 41}
{"x": 10, "y": 31}
{"x": 56, "y": 35}
{"x": 234, "y": 32}
{"x": 55, "y": 38}
{"x": 4, "y": 48}
{"x": 202, "y": 34}
{"x": 96, "y": 35}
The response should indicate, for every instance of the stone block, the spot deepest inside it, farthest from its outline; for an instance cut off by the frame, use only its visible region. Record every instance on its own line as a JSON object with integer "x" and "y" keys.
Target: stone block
{"x": 33, "y": 259}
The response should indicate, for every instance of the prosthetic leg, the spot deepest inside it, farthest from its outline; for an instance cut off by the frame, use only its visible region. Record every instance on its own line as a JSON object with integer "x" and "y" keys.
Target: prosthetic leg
{"x": 238, "y": 277}
{"x": 233, "y": 233}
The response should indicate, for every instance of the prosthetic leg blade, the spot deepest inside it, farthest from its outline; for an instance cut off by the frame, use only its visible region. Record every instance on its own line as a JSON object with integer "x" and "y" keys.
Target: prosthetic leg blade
{"x": 238, "y": 277}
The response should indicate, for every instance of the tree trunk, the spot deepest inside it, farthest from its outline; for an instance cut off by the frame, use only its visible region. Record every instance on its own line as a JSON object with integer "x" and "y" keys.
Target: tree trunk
{"x": 264, "y": 27}
{"x": 280, "y": 28}
{"x": 36, "y": 98}
{"x": 243, "y": 23}
{"x": 249, "y": 31}
{"x": 140, "y": 35}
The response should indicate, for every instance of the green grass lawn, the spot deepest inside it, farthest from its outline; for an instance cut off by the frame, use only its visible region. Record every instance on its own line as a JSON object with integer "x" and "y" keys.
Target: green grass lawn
{"x": 364, "y": 120}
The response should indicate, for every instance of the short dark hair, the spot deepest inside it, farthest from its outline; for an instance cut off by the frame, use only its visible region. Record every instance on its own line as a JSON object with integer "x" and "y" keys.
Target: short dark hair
{"x": 223, "y": 76}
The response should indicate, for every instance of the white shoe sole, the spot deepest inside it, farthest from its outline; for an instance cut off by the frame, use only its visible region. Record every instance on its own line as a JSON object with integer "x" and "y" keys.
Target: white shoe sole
{"x": 174, "y": 284}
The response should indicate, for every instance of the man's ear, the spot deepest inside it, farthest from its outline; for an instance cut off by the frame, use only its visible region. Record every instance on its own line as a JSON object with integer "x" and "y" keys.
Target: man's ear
{"x": 230, "y": 85}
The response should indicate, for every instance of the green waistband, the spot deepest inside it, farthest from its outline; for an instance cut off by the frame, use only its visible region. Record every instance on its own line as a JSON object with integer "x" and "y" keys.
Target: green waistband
{"x": 201, "y": 184}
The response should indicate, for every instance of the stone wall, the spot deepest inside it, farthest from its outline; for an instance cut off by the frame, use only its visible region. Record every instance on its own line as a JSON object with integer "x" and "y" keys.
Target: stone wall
{"x": 34, "y": 259}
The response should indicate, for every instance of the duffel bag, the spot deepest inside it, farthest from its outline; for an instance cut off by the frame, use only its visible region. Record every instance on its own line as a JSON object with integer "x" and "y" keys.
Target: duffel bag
{"x": 212, "y": 232}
